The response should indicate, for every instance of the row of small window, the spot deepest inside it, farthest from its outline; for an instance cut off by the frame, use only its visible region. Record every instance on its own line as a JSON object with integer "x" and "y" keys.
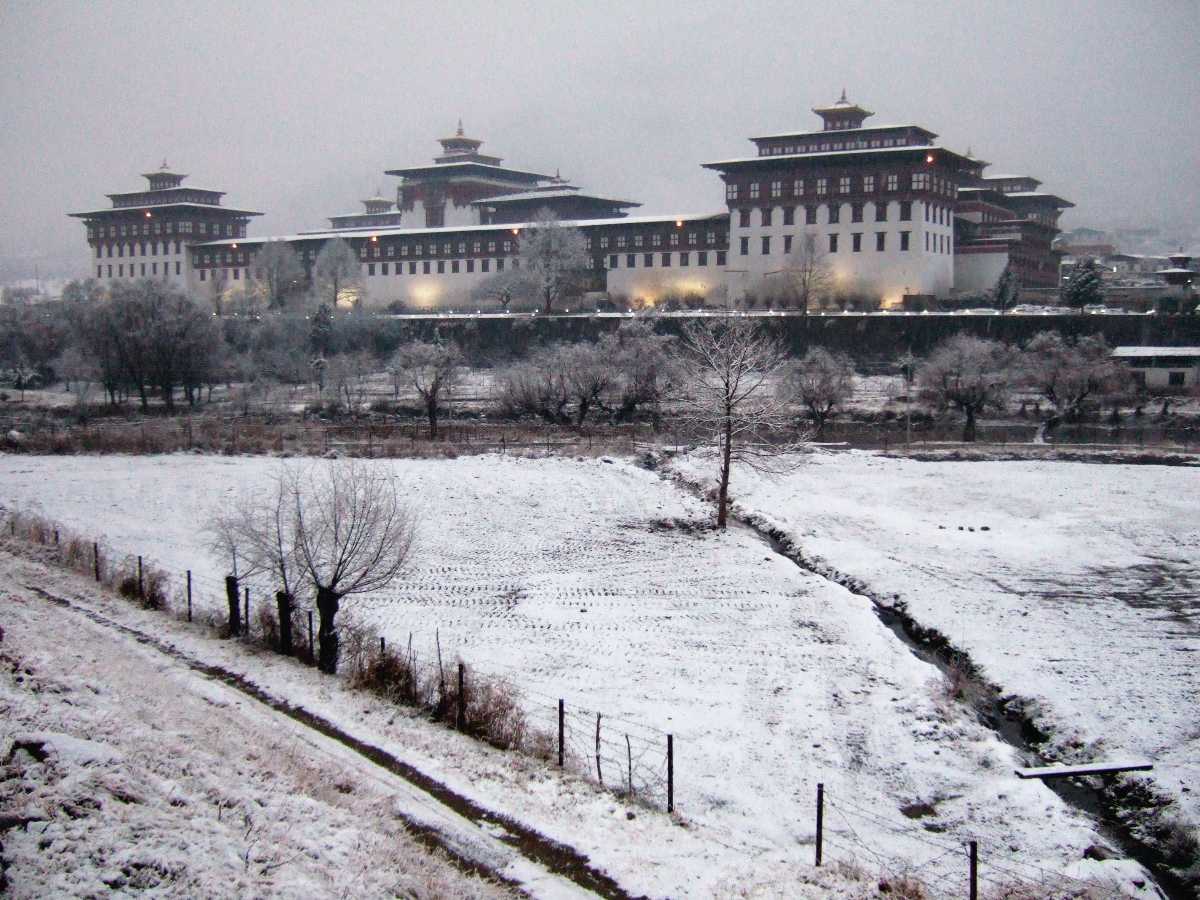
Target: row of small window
{"x": 135, "y": 272}
{"x": 845, "y": 184}
{"x": 147, "y": 228}
{"x": 826, "y": 146}
{"x": 942, "y": 215}
{"x": 856, "y": 243}
{"x": 621, "y": 241}
{"x": 445, "y": 248}
{"x": 228, "y": 257}
{"x": 143, "y": 199}
{"x": 664, "y": 259}
{"x": 430, "y": 267}
{"x": 156, "y": 247}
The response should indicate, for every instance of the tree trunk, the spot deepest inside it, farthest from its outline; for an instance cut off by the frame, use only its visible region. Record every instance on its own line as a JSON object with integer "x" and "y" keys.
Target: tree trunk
{"x": 235, "y": 609}
{"x": 723, "y": 490}
{"x": 432, "y": 412}
{"x": 968, "y": 434}
{"x": 283, "y": 604}
{"x": 327, "y": 639}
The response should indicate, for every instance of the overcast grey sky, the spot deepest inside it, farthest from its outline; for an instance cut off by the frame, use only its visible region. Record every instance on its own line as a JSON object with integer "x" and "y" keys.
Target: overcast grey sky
{"x": 296, "y": 108}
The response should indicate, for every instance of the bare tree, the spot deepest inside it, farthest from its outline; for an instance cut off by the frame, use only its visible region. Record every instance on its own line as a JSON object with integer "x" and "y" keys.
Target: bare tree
{"x": 349, "y": 374}
{"x": 533, "y": 387}
{"x": 555, "y": 258}
{"x": 731, "y": 366}
{"x": 966, "y": 373}
{"x": 588, "y": 375}
{"x": 336, "y": 270}
{"x": 353, "y": 535}
{"x": 503, "y": 288}
{"x": 644, "y": 363}
{"x": 822, "y": 381}
{"x": 1068, "y": 375}
{"x": 434, "y": 371}
{"x": 277, "y": 273}
{"x": 806, "y": 277}
{"x": 257, "y": 534}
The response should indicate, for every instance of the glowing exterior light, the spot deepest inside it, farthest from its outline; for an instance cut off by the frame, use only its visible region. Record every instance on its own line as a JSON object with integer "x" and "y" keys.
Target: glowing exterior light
{"x": 374, "y": 239}
{"x": 679, "y": 223}
{"x": 147, "y": 214}
{"x": 235, "y": 246}
{"x": 929, "y": 157}
{"x": 516, "y": 231}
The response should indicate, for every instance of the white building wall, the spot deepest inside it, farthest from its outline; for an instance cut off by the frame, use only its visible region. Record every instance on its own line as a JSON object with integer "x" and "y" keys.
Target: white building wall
{"x": 976, "y": 272}
{"x": 887, "y": 274}
{"x": 134, "y": 264}
{"x": 652, "y": 284}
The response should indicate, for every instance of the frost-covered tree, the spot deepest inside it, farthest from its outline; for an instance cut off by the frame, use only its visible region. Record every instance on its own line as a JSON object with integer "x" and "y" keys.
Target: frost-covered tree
{"x": 1068, "y": 375}
{"x": 353, "y": 535}
{"x": 1083, "y": 285}
{"x": 277, "y": 273}
{"x": 337, "y": 269}
{"x": 433, "y": 371}
{"x": 821, "y": 382}
{"x": 554, "y": 258}
{"x": 731, "y": 367}
{"x": 968, "y": 374}
{"x": 807, "y": 277}
{"x": 643, "y": 362}
{"x": 505, "y": 288}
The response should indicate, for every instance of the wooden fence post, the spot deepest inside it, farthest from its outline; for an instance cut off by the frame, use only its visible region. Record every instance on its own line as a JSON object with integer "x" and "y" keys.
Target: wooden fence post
{"x": 231, "y": 598}
{"x": 246, "y": 617}
{"x": 599, "y": 774}
{"x": 96, "y": 559}
{"x": 820, "y": 819}
{"x": 973, "y": 859}
{"x": 189, "y": 594}
{"x": 382, "y": 646}
{"x": 670, "y": 773}
{"x": 462, "y": 698}
{"x": 310, "y": 636}
{"x": 141, "y": 582}
{"x": 560, "y": 733}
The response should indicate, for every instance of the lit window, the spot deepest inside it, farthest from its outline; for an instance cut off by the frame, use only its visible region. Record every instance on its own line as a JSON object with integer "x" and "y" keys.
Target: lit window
{"x": 822, "y": 186}
{"x": 754, "y": 186}
{"x": 844, "y": 184}
{"x": 731, "y": 192}
{"x": 893, "y": 182}
{"x": 776, "y": 189}
{"x": 798, "y": 187}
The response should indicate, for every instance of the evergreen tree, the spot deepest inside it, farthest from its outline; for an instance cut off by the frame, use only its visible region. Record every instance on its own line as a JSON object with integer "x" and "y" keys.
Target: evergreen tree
{"x": 322, "y": 330}
{"x": 1083, "y": 286}
{"x": 1006, "y": 289}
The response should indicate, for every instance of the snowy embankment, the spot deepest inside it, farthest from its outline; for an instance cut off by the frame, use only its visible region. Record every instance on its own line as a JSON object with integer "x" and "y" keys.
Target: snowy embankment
{"x": 1072, "y": 585}
{"x": 565, "y": 576}
{"x": 125, "y": 773}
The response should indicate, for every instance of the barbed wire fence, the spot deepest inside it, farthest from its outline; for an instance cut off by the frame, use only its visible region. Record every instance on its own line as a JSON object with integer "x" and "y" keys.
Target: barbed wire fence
{"x": 950, "y": 862}
{"x": 629, "y": 758}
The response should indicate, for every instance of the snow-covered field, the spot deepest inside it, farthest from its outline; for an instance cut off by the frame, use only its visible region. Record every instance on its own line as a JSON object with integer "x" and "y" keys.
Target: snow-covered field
{"x": 562, "y": 575}
{"x": 1074, "y": 585}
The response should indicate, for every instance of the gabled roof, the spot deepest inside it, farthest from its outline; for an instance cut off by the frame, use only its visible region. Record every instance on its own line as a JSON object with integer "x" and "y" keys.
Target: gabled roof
{"x": 553, "y": 194}
{"x": 207, "y": 207}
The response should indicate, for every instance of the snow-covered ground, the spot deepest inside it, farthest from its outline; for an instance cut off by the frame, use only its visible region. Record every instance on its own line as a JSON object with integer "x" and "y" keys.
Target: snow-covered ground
{"x": 1074, "y": 585}
{"x": 134, "y": 774}
{"x": 562, "y": 575}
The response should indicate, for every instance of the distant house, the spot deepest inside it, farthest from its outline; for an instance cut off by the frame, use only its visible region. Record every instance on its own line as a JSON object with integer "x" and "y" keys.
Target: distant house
{"x": 1173, "y": 368}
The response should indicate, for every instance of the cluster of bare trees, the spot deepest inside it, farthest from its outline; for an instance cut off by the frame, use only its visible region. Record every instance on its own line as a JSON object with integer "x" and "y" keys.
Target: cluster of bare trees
{"x": 147, "y": 338}
{"x": 553, "y": 266}
{"x": 619, "y": 375}
{"x": 971, "y": 375}
{"x": 337, "y": 529}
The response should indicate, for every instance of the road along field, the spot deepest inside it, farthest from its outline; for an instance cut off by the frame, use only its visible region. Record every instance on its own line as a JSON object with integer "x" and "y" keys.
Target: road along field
{"x": 591, "y": 580}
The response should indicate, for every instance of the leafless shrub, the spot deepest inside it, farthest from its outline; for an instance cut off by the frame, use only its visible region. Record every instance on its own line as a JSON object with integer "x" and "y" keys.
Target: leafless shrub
{"x": 904, "y": 887}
